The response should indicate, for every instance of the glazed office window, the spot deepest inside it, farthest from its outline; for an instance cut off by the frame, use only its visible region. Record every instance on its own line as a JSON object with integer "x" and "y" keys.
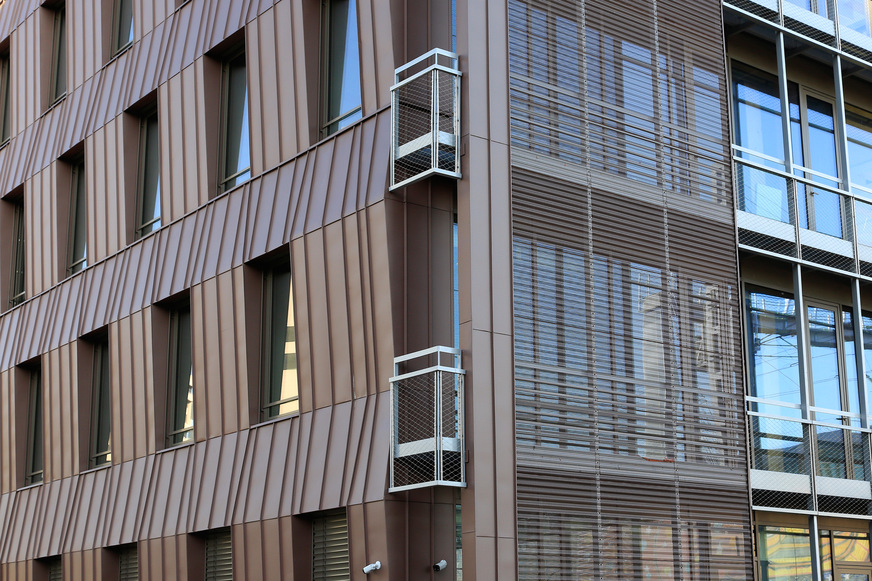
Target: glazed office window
{"x": 235, "y": 146}
{"x": 122, "y": 30}
{"x": 219, "y": 556}
{"x": 855, "y": 15}
{"x": 330, "y": 546}
{"x": 148, "y": 183}
{"x": 16, "y": 285}
{"x": 759, "y": 132}
{"x": 77, "y": 258}
{"x": 280, "y": 383}
{"x": 4, "y": 99}
{"x": 34, "y": 459}
{"x": 859, "y": 133}
{"x": 834, "y": 390}
{"x": 180, "y": 417}
{"x": 815, "y": 6}
{"x": 58, "y": 81}
{"x": 101, "y": 407}
{"x": 340, "y": 68}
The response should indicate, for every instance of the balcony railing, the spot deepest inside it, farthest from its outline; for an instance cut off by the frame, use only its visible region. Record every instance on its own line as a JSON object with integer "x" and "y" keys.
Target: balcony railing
{"x": 425, "y": 119}
{"x": 802, "y": 218}
{"x": 427, "y": 433}
{"x": 804, "y": 465}
{"x": 817, "y": 20}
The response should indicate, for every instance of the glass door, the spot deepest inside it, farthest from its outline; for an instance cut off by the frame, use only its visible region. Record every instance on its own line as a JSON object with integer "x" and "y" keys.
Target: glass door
{"x": 824, "y": 208}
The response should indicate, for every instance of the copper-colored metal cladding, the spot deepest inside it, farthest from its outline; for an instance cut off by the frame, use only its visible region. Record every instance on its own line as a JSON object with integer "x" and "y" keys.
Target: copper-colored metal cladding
{"x": 371, "y": 278}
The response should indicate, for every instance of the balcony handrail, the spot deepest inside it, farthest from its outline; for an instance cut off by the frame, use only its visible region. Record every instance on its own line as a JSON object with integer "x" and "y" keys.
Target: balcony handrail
{"x": 436, "y": 52}
{"x": 805, "y": 181}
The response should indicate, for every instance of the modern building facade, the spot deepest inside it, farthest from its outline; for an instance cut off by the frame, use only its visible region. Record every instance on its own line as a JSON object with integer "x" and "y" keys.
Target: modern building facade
{"x": 641, "y": 242}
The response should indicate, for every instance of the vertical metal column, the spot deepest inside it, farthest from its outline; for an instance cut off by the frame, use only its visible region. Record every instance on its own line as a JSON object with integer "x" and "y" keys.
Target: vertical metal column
{"x": 786, "y": 140}
{"x": 802, "y": 341}
{"x": 434, "y": 117}
{"x": 814, "y": 545}
{"x": 860, "y": 355}
{"x": 842, "y": 152}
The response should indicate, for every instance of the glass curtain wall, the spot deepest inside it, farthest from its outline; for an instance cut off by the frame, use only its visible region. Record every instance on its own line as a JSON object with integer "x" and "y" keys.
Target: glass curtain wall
{"x": 825, "y": 188}
{"x": 818, "y": 417}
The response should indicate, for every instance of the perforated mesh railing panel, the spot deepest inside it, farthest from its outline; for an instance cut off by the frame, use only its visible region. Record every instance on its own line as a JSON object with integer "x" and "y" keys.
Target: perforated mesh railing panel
{"x": 426, "y": 124}
{"x": 427, "y": 429}
{"x": 799, "y": 465}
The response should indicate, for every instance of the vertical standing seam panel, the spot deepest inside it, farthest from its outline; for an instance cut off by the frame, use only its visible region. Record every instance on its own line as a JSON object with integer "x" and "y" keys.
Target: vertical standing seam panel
{"x": 338, "y": 299}
{"x": 315, "y": 277}
{"x": 234, "y": 371}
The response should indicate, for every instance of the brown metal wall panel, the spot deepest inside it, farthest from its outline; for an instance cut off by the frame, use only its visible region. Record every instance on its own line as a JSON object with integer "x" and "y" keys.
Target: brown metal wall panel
{"x": 337, "y": 298}
{"x": 8, "y": 471}
{"x": 355, "y": 308}
{"x": 302, "y": 45}
{"x": 312, "y": 273}
{"x": 305, "y": 369}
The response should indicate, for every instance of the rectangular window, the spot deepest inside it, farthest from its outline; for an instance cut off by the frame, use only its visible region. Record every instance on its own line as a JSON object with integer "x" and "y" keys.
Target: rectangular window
{"x": 101, "y": 407}
{"x": 4, "y": 98}
{"x": 78, "y": 230}
{"x": 219, "y": 556}
{"x": 148, "y": 187}
{"x": 58, "y": 85}
{"x": 180, "y": 420}
{"x": 330, "y": 546}
{"x": 280, "y": 393}
{"x": 16, "y": 284}
{"x": 34, "y": 458}
{"x": 122, "y": 33}
{"x": 235, "y": 146}
{"x": 340, "y": 68}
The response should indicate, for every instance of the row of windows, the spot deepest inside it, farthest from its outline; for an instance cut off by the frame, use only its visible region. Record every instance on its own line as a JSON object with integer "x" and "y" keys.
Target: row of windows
{"x": 342, "y": 107}
{"x": 278, "y": 395}
{"x": 210, "y": 554}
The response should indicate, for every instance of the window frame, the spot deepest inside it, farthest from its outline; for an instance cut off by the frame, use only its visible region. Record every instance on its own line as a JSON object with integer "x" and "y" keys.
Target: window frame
{"x": 101, "y": 393}
{"x": 146, "y": 227}
{"x": 5, "y": 98}
{"x": 270, "y": 325}
{"x": 35, "y": 450}
{"x": 117, "y": 11}
{"x": 17, "y": 283}
{"x": 177, "y": 435}
{"x": 327, "y": 125}
{"x": 78, "y": 218}
{"x": 228, "y": 182}
{"x": 58, "y": 85}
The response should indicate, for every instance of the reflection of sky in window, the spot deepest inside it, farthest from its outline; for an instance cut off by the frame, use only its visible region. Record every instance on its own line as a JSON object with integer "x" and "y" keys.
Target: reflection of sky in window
{"x": 775, "y": 373}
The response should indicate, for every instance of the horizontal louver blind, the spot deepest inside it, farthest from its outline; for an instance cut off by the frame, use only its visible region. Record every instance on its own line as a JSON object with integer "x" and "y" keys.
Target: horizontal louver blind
{"x": 630, "y": 431}
{"x": 623, "y": 88}
{"x": 55, "y": 569}
{"x": 128, "y": 561}
{"x": 330, "y": 547}
{"x": 219, "y": 557}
